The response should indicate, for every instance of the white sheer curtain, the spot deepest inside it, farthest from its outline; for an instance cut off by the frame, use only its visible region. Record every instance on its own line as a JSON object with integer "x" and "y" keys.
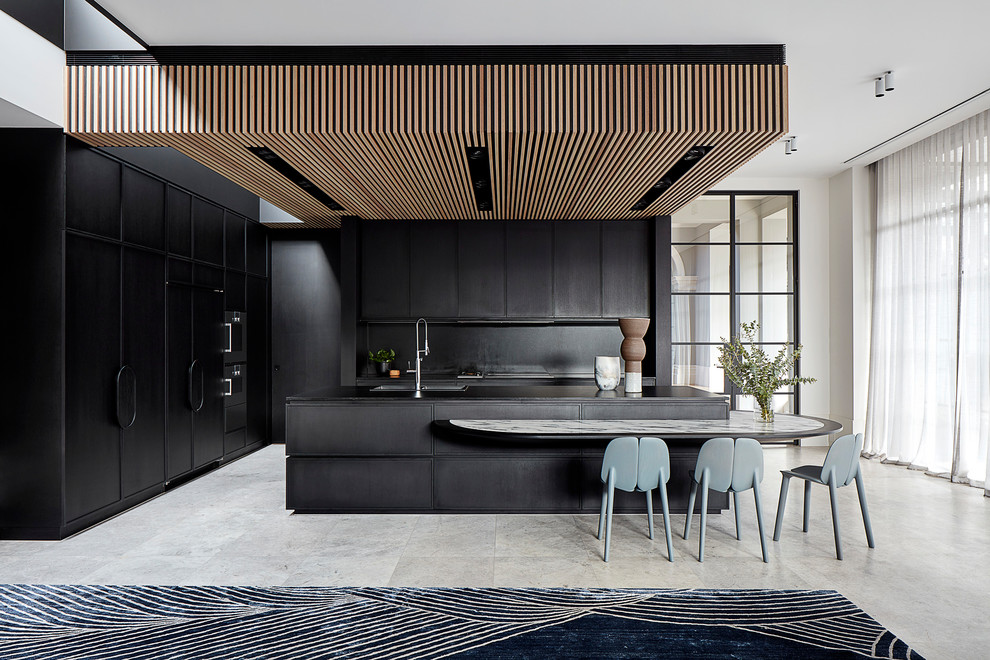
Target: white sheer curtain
{"x": 929, "y": 394}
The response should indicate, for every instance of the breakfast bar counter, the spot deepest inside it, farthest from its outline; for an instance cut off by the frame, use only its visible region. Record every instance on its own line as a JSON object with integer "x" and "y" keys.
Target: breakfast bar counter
{"x": 356, "y": 449}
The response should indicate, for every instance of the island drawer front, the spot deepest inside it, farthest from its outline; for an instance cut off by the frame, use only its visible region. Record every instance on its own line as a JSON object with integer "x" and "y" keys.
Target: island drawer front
{"x": 507, "y": 411}
{"x": 362, "y": 430}
{"x": 356, "y": 484}
{"x": 650, "y": 410}
{"x": 524, "y": 485}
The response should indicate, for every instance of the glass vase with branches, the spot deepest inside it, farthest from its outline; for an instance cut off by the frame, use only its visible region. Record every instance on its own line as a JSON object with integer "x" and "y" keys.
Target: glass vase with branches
{"x": 754, "y": 372}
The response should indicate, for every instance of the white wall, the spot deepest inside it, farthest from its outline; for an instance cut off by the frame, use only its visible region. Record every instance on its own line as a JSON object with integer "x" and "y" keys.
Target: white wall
{"x": 31, "y": 74}
{"x": 813, "y": 274}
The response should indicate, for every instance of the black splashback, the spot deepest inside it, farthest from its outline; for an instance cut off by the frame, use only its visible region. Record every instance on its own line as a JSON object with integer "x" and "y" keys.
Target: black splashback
{"x": 561, "y": 349}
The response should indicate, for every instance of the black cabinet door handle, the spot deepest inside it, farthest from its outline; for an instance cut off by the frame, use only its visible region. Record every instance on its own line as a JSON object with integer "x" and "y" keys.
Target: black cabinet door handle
{"x": 196, "y": 399}
{"x": 126, "y": 397}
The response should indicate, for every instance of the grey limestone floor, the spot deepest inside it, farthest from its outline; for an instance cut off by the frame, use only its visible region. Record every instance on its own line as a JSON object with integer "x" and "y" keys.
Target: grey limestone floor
{"x": 928, "y": 579}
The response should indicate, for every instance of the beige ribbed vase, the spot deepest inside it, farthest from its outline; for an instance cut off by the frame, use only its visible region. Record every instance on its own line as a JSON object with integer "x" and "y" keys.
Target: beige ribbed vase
{"x": 633, "y": 350}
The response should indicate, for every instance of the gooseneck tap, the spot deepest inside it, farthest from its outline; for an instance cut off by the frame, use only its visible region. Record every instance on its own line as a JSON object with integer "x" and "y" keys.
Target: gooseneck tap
{"x": 421, "y": 353}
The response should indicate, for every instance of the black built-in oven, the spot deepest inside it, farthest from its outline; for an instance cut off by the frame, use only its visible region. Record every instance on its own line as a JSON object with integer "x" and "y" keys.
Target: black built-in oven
{"x": 235, "y": 329}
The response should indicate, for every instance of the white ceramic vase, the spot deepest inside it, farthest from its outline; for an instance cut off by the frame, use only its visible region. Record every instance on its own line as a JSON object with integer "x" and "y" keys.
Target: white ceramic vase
{"x": 607, "y": 372}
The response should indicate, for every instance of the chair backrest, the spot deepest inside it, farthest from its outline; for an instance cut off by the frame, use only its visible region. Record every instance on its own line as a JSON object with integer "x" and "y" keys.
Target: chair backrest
{"x": 715, "y": 456}
{"x": 654, "y": 463}
{"x": 843, "y": 457}
{"x": 623, "y": 455}
{"x": 747, "y": 464}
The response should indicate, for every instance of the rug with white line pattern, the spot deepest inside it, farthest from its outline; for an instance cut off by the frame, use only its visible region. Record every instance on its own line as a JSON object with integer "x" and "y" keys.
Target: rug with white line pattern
{"x": 93, "y": 622}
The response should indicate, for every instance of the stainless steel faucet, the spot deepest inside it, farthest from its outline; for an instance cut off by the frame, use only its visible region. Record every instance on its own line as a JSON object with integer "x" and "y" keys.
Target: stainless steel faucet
{"x": 421, "y": 353}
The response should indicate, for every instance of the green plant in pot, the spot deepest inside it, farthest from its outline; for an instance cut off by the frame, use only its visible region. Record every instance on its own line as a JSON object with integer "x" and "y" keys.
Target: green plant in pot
{"x": 754, "y": 372}
{"x": 383, "y": 360}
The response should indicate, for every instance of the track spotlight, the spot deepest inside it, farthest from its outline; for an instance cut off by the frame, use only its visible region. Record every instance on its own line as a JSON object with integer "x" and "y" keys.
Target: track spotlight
{"x": 888, "y": 81}
{"x": 787, "y": 148}
{"x": 878, "y": 88}
{"x": 793, "y": 143}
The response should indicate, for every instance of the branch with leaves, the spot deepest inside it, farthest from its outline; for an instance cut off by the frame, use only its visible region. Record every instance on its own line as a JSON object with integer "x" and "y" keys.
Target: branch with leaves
{"x": 751, "y": 369}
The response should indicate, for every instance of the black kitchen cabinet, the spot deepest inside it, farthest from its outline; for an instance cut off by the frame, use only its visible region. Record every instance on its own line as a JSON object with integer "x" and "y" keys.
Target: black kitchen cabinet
{"x": 625, "y": 269}
{"x": 179, "y": 223}
{"x": 529, "y": 269}
{"x": 256, "y": 258}
{"x": 93, "y": 199}
{"x": 481, "y": 269}
{"x": 256, "y": 307}
{"x": 208, "y": 345}
{"x": 207, "y": 224}
{"x": 142, "y": 209}
{"x": 143, "y": 351}
{"x": 194, "y": 377}
{"x": 234, "y": 241}
{"x": 92, "y": 361}
{"x": 385, "y": 269}
{"x": 577, "y": 269}
{"x": 233, "y": 291}
{"x": 91, "y": 382}
{"x": 432, "y": 265}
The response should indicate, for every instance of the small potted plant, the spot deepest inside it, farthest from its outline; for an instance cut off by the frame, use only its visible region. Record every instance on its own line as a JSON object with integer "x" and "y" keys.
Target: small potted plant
{"x": 747, "y": 366}
{"x": 383, "y": 360}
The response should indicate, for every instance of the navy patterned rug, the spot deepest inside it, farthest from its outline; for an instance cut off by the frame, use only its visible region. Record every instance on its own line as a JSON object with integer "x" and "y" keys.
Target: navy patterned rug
{"x": 39, "y": 621}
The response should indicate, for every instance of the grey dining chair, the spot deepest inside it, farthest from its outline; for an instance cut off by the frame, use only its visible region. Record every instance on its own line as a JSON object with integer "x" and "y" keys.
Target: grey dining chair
{"x": 841, "y": 468}
{"x": 727, "y": 465}
{"x": 640, "y": 465}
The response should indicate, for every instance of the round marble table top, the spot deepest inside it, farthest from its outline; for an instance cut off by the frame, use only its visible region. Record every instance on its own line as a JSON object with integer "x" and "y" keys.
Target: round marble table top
{"x": 739, "y": 424}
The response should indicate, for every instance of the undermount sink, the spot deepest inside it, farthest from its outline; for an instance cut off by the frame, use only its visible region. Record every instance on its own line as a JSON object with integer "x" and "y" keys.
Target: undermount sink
{"x": 428, "y": 387}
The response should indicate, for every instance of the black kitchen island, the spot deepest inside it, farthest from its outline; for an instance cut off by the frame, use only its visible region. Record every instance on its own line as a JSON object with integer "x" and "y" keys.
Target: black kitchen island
{"x": 356, "y": 449}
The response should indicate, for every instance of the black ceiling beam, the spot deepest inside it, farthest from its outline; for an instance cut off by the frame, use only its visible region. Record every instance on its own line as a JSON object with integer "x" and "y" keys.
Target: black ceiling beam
{"x": 425, "y": 55}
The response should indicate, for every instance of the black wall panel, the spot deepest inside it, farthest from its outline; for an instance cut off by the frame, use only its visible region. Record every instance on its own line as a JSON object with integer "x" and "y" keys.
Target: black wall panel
{"x": 306, "y": 328}
{"x": 34, "y": 200}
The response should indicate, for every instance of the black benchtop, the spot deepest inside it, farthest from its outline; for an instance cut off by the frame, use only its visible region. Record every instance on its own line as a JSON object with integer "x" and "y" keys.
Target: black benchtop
{"x": 585, "y": 393}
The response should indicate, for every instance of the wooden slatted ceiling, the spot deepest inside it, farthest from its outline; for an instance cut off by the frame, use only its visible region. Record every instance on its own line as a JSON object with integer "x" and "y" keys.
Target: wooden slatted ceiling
{"x": 564, "y": 141}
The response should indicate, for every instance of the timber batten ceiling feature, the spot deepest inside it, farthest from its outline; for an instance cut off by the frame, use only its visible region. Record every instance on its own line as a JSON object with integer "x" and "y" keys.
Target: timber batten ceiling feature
{"x": 390, "y": 141}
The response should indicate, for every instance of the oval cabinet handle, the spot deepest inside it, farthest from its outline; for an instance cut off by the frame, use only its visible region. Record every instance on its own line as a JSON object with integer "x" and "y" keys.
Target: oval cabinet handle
{"x": 126, "y": 397}
{"x": 196, "y": 399}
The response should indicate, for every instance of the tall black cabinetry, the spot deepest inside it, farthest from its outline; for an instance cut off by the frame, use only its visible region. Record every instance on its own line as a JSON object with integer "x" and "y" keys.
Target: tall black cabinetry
{"x": 117, "y": 286}
{"x": 114, "y": 373}
{"x": 194, "y": 377}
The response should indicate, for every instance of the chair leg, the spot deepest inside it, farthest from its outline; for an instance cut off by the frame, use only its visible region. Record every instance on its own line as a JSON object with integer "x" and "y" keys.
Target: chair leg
{"x": 690, "y": 508}
{"x": 735, "y": 507}
{"x": 759, "y": 520}
{"x": 704, "y": 515}
{"x": 608, "y": 511}
{"x": 807, "y": 505}
{"x": 780, "y": 507}
{"x": 666, "y": 520}
{"x": 835, "y": 517}
{"x": 861, "y": 489}
{"x": 649, "y": 510}
{"x": 601, "y": 514}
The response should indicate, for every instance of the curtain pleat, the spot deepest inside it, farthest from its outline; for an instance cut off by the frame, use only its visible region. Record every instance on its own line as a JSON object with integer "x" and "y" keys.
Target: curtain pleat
{"x": 929, "y": 392}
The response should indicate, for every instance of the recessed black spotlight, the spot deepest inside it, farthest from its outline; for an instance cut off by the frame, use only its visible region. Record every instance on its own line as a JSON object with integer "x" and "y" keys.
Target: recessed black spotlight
{"x": 481, "y": 177}
{"x": 679, "y": 169}
{"x": 272, "y": 159}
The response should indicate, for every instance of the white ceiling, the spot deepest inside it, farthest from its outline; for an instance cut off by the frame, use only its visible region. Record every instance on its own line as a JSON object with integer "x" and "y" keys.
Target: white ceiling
{"x": 834, "y": 49}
